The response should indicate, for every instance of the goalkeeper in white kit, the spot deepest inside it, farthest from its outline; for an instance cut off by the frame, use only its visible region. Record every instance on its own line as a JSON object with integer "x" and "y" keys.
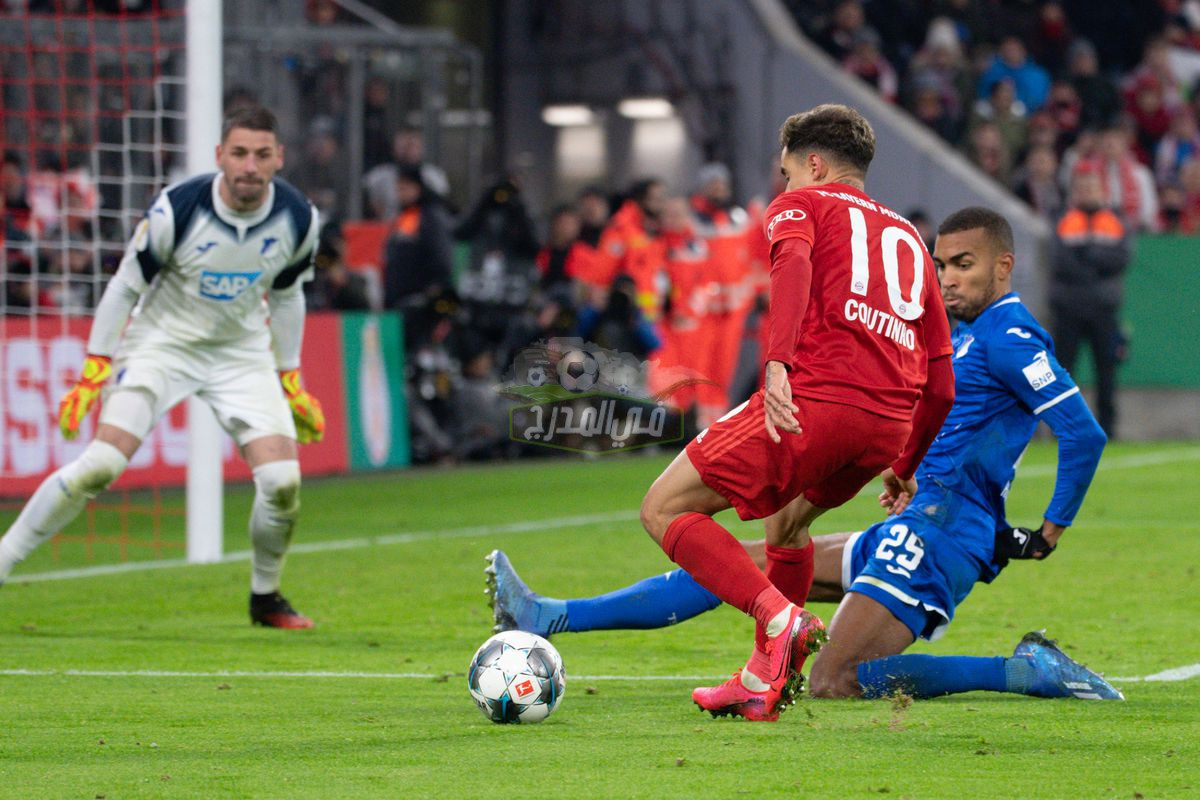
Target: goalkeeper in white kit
{"x": 210, "y": 287}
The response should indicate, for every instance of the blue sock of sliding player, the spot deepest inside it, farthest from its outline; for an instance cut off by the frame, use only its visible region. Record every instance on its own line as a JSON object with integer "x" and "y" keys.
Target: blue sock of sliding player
{"x": 651, "y": 603}
{"x": 930, "y": 676}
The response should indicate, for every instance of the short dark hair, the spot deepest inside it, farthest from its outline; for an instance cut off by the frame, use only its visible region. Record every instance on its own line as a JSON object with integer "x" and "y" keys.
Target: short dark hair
{"x": 837, "y": 130}
{"x": 641, "y": 189}
{"x": 254, "y": 118}
{"x": 998, "y": 231}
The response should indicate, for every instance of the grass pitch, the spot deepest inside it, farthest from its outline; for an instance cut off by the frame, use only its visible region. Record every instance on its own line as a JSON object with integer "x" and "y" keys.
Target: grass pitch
{"x": 150, "y": 683}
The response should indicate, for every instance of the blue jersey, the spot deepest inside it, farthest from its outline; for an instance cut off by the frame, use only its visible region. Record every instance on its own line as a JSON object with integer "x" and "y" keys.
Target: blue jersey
{"x": 1006, "y": 379}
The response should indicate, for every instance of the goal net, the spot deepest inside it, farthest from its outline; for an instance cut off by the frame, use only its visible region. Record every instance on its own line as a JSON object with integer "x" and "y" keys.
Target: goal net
{"x": 92, "y": 125}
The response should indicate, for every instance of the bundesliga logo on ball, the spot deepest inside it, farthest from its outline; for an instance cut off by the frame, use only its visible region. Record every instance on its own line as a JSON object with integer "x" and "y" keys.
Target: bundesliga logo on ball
{"x": 516, "y": 677}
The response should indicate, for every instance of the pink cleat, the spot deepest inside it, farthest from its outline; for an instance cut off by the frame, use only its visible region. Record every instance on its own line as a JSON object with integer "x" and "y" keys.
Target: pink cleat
{"x": 732, "y": 699}
{"x": 803, "y": 636}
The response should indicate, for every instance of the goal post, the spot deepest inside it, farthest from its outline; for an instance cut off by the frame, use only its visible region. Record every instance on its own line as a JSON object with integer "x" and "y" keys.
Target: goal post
{"x": 205, "y": 501}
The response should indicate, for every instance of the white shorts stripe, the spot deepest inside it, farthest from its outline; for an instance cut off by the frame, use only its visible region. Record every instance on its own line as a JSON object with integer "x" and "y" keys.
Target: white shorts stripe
{"x": 887, "y": 587}
{"x": 847, "y": 555}
{"x": 1055, "y": 401}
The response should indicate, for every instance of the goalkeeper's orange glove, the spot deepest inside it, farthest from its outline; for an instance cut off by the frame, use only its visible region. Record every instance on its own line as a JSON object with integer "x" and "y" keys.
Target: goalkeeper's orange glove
{"x": 306, "y": 409}
{"x": 77, "y": 403}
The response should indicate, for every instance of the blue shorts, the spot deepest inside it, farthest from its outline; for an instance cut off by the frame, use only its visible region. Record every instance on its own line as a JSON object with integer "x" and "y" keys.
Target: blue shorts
{"x": 915, "y": 569}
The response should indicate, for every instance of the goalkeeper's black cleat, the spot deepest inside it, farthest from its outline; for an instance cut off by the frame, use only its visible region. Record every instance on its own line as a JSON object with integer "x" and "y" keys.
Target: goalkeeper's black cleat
{"x": 272, "y": 610}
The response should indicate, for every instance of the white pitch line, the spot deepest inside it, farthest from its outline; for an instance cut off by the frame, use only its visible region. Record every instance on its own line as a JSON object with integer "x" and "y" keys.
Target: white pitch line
{"x": 527, "y": 526}
{"x": 1175, "y": 674}
{"x": 1121, "y": 462}
{"x": 155, "y": 673}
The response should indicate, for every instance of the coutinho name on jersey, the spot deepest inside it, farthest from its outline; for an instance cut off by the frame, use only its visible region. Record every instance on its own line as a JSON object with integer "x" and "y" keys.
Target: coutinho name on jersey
{"x": 880, "y": 322}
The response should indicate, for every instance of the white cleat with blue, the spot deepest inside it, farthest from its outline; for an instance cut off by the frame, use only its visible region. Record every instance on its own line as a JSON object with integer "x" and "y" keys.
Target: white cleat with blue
{"x": 1055, "y": 674}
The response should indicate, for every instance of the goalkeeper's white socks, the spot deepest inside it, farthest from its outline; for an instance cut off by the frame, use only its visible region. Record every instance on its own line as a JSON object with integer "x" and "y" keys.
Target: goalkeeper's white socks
{"x": 59, "y": 500}
{"x": 272, "y": 519}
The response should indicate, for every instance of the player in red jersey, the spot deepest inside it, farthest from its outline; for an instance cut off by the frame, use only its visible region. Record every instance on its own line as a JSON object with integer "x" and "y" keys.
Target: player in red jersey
{"x": 858, "y": 382}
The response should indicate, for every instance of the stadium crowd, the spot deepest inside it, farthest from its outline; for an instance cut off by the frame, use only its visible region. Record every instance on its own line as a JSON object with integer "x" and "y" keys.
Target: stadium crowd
{"x": 1035, "y": 94}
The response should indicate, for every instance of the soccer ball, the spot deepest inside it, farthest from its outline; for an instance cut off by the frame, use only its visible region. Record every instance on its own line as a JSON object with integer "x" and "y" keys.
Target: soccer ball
{"x": 578, "y": 371}
{"x": 537, "y": 376}
{"x": 516, "y": 677}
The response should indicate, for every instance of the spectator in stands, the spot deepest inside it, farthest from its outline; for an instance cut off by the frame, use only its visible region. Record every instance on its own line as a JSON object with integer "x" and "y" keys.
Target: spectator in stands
{"x": 866, "y": 62}
{"x": 322, "y": 171}
{"x": 927, "y": 104}
{"x": 1189, "y": 180}
{"x": 847, "y": 21}
{"x": 1172, "y": 203}
{"x": 335, "y": 287}
{"x": 1032, "y": 83}
{"x": 76, "y": 291}
{"x": 1037, "y": 182}
{"x": 499, "y": 275}
{"x": 239, "y": 97}
{"x": 593, "y": 208}
{"x": 1155, "y": 65}
{"x": 1086, "y": 147}
{"x": 1002, "y": 109}
{"x": 377, "y": 103}
{"x": 717, "y": 279}
{"x": 554, "y": 260}
{"x": 1183, "y": 28}
{"x": 408, "y": 150}
{"x": 17, "y": 214}
{"x": 1066, "y": 109}
{"x": 631, "y": 245}
{"x": 590, "y": 267}
{"x": 1090, "y": 252}
{"x": 1098, "y": 97}
{"x": 1043, "y": 132}
{"x": 940, "y": 65}
{"x": 417, "y": 253}
{"x": 1180, "y": 145}
{"x": 1128, "y": 184}
{"x": 1050, "y": 37}
{"x": 478, "y": 423}
{"x": 986, "y": 150}
{"x": 1148, "y": 109}
{"x": 619, "y": 325}
{"x": 920, "y": 220}
{"x": 323, "y": 12}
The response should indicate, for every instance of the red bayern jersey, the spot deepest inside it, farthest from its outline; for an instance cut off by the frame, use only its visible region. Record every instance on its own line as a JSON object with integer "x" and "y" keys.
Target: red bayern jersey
{"x": 874, "y": 316}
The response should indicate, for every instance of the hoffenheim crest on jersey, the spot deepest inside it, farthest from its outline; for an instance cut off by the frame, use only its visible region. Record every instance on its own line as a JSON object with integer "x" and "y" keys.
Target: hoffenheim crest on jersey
{"x": 226, "y": 285}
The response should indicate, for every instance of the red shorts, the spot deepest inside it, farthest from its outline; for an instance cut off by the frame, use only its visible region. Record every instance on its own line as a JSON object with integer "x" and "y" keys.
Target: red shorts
{"x": 839, "y": 450}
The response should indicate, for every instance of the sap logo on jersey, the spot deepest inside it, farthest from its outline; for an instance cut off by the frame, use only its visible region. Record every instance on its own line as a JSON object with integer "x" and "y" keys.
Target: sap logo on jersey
{"x": 226, "y": 285}
{"x": 783, "y": 216}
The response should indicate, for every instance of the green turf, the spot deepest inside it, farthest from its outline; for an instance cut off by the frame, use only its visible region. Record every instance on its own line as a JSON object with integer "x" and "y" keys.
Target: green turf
{"x": 1119, "y": 595}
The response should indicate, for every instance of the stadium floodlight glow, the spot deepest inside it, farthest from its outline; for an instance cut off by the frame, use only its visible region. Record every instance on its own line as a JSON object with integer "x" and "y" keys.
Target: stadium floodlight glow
{"x": 646, "y": 108}
{"x": 565, "y": 115}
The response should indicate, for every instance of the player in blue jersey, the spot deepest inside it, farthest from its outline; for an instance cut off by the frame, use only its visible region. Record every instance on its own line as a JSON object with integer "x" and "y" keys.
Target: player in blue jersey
{"x": 902, "y": 578}
{"x": 185, "y": 315}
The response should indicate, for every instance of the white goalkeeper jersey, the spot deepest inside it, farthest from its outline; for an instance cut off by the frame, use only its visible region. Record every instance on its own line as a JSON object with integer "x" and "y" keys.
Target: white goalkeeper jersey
{"x": 203, "y": 269}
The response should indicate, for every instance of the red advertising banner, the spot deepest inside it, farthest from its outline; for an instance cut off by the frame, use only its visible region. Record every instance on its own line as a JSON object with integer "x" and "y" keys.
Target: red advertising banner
{"x": 38, "y": 364}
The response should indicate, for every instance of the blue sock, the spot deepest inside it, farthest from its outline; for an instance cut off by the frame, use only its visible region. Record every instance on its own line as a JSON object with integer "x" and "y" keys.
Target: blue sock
{"x": 930, "y": 676}
{"x": 651, "y": 603}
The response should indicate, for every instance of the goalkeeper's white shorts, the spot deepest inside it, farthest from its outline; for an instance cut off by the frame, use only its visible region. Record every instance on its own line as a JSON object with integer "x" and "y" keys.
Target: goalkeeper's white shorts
{"x": 241, "y": 388}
